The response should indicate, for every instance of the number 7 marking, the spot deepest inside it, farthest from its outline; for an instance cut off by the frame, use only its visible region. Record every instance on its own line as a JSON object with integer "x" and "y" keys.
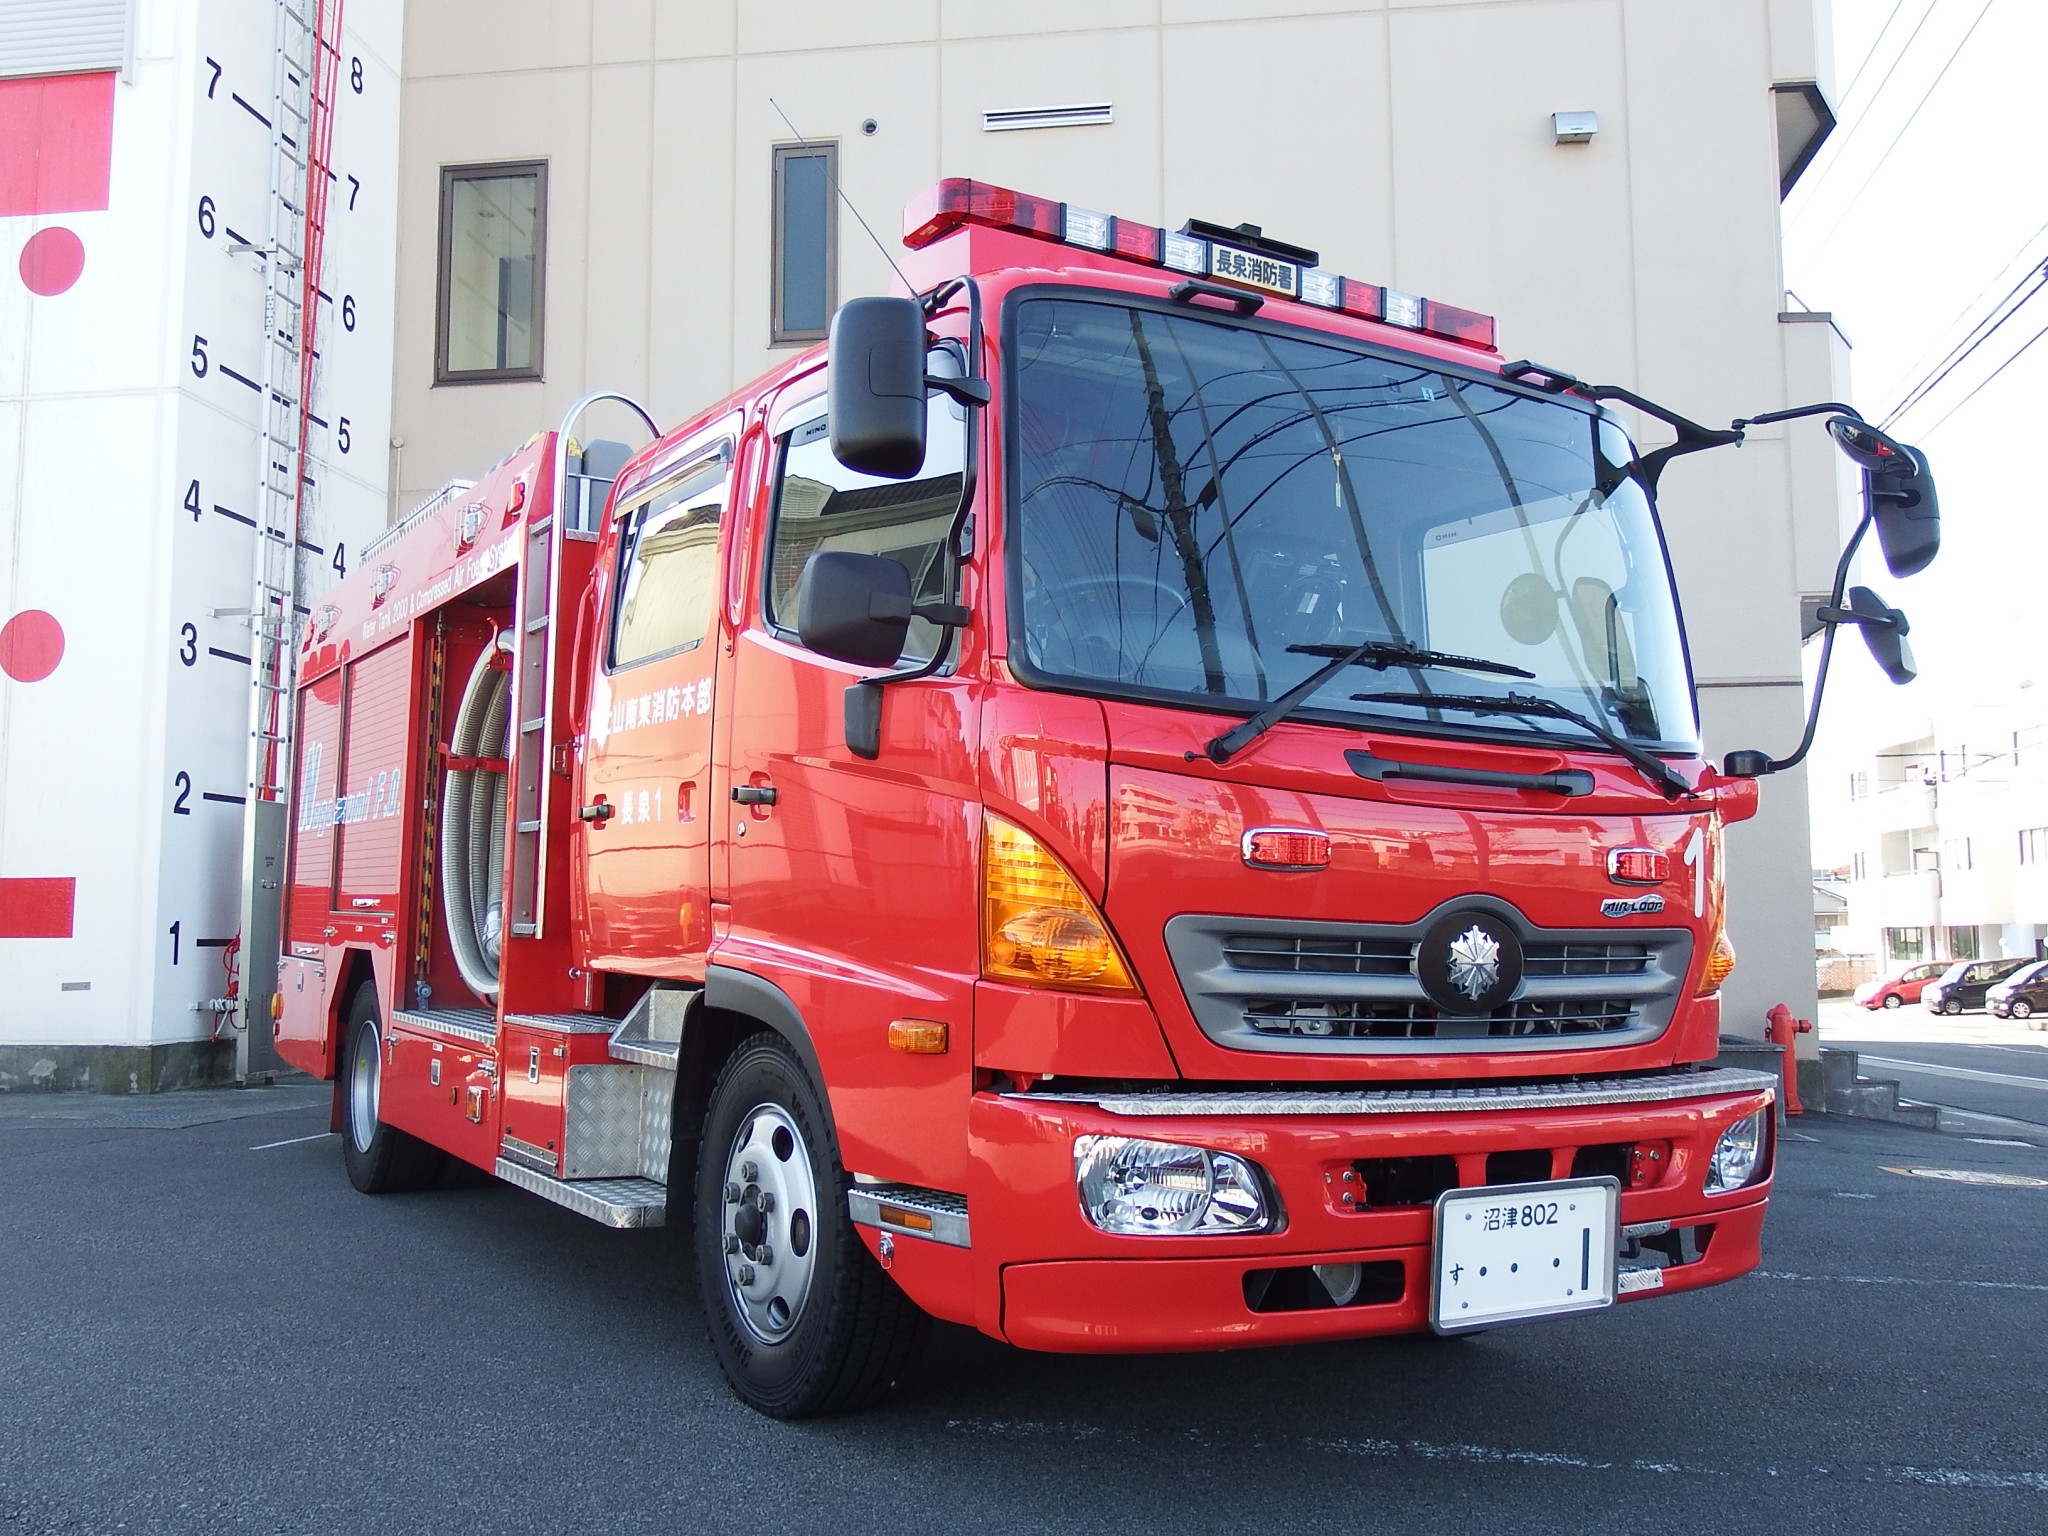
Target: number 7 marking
{"x": 354, "y": 187}
{"x": 215, "y": 67}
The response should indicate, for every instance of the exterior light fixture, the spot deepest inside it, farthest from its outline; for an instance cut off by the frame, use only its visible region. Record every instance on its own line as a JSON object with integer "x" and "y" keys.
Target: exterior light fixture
{"x": 1574, "y": 127}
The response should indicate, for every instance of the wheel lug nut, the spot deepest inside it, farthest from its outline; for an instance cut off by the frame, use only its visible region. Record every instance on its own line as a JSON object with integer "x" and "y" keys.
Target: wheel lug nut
{"x": 764, "y": 1202}
{"x": 749, "y": 1173}
{"x": 764, "y": 1254}
{"x": 746, "y": 1274}
{"x": 732, "y": 1243}
{"x": 732, "y": 1194}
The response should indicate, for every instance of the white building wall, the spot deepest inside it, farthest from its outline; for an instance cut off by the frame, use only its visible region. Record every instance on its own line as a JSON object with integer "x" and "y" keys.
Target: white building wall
{"x": 123, "y": 770}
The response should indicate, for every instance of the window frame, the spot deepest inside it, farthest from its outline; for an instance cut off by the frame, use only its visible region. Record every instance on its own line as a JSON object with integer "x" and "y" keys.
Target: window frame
{"x": 780, "y": 335}
{"x": 444, "y": 262}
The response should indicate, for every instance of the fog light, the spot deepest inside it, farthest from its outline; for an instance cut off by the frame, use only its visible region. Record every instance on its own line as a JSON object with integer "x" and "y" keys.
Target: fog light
{"x": 1739, "y": 1155}
{"x": 1146, "y": 1188}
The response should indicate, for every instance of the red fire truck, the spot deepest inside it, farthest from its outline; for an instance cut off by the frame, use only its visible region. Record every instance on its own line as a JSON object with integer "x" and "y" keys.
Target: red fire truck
{"x": 1148, "y": 796}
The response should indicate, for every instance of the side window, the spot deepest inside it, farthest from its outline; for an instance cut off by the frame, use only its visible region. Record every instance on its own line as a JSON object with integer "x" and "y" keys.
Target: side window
{"x": 821, "y": 504}
{"x": 668, "y": 566}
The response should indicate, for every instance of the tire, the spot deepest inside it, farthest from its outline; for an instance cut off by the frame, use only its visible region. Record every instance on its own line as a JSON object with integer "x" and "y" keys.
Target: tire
{"x": 1892, "y": 999}
{"x": 2021, "y": 1009}
{"x": 815, "y": 1327}
{"x": 1953, "y": 1010}
{"x": 380, "y": 1158}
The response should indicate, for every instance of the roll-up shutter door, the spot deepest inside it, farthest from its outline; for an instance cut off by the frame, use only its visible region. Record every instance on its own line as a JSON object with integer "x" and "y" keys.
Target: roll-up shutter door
{"x": 62, "y": 37}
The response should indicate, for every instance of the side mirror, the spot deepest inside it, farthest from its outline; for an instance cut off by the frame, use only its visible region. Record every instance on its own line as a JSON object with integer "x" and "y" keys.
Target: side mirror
{"x": 1898, "y": 494}
{"x": 1884, "y": 631}
{"x": 853, "y": 607}
{"x": 875, "y": 389}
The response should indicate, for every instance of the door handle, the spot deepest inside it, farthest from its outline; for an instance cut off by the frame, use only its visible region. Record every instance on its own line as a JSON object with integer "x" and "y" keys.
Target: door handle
{"x": 754, "y": 794}
{"x": 599, "y": 811}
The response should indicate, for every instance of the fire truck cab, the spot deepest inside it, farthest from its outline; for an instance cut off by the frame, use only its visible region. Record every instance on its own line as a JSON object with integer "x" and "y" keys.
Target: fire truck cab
{"x": 1146, "y": 797}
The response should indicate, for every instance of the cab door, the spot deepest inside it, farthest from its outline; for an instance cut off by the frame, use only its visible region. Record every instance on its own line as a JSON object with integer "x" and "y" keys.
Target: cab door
{"x": 642, "y": 836}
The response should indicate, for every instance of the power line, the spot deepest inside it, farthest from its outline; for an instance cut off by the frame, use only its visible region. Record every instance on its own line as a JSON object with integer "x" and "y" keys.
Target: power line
{"x": 1877, "y": 43}
{"x": 2022, "y": 352}
{"x": 1911, "y": 117}
{"x": 1927, "y": 386}
{"x": 1840, "y": 146}
{"x": 1975, "y": 299}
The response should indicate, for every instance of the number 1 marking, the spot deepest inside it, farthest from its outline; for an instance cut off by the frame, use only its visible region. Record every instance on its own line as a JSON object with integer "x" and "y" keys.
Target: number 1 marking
{"x": 1696, "y": 860}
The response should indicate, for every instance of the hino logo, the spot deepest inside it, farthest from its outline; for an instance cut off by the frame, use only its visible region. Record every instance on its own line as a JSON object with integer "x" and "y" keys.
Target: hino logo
{"x": 1631, "y": 906}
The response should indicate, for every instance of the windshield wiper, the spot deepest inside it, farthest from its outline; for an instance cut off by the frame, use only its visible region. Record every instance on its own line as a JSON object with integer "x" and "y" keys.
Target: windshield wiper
{"x": 1653, "y": 768}
{"x": 1367, "y": 653}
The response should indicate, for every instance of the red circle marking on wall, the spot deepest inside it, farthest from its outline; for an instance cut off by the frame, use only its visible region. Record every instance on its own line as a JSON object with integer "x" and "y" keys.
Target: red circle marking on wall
{"x": 52, "y": 260}
{"x": 31, "y": 645}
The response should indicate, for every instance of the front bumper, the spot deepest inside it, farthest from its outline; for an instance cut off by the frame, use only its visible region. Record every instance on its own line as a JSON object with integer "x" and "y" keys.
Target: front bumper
{"x": 1044, "y": 1278}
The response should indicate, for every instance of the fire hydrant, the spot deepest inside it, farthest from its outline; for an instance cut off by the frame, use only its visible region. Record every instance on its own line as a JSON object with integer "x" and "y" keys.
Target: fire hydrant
{"x": 1784, "y": 1029}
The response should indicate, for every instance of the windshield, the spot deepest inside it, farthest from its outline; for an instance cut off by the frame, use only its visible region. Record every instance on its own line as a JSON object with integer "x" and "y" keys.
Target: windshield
{"x": 1205, "y": 511}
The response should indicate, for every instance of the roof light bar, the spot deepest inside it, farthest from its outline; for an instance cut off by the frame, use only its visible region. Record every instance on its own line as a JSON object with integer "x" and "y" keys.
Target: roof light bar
{"x": 1244, "y": 256}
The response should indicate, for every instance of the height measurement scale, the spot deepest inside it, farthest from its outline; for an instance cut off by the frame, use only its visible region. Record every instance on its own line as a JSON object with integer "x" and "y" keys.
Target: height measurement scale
{"x": 271, "y": 499}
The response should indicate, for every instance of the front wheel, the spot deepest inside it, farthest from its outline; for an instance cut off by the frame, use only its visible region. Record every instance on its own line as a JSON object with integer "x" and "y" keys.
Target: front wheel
{"x": 2022, "y": 1010}
{"x": 1891, "y": 999}
{"x": 802, "y": 1319}
{"x": 1952, "y": 1009}
{"x": 380, "y": 1158}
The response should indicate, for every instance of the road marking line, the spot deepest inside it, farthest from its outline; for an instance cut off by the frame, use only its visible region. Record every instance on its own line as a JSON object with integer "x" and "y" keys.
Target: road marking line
{"x": 2010, "y": 1079}
{"x": 293, "y": 1141}
{"x": 1377, "y": 1448}
{"x": 1968, "y": 1285}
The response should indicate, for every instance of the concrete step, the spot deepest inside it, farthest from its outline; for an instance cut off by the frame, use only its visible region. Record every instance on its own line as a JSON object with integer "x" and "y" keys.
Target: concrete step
{"x": 1846, "y": 1092}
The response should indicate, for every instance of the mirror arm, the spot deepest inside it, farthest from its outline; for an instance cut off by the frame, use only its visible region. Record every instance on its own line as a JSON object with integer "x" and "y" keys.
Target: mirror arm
{"x": 1753, "y": 764}
{"x": 863, "y": 705}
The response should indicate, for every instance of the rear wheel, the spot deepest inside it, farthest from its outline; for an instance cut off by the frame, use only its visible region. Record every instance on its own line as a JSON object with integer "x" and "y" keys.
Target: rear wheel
{"x": 802, "y": 1319}
{"x": 381, "y": 1159}
{"x": 1891, "y": 999}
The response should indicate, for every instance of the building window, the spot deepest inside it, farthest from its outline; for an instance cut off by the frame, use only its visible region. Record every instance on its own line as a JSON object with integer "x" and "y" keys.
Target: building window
{"x": 1859, "y": 867}
{"x": 804, "y": 242}
{"x": 1962, "y": 944}
{"x": 1905, "y": 943}
{"x": 1955, "y": 854}
{"x": 1859, "y": 784}
{"x": 2034, "y": 845}
{"x": 493, "y": 272}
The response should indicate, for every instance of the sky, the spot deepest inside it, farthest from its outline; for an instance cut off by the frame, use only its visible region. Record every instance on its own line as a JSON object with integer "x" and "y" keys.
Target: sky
{"x": 1925, "y": 219}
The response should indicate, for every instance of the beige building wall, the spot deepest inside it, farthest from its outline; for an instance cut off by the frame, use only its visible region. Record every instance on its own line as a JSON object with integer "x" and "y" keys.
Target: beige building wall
{"x": 1409, "y": 141}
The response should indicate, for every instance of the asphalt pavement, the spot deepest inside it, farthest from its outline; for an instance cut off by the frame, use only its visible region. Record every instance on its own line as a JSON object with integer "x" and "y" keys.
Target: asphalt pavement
{"x": 207, "y": 1330}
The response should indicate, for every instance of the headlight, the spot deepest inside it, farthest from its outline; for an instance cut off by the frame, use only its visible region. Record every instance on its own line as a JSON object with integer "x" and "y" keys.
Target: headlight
{"x": 1739, "y": 1154}
{"x": 1145, "y": 1188}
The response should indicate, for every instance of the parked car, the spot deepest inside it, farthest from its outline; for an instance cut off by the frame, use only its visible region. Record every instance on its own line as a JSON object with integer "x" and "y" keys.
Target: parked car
{"x": 1901, "y": 987}
{"x": 1966, "y": 984}
{"x": 2022, "y": 995}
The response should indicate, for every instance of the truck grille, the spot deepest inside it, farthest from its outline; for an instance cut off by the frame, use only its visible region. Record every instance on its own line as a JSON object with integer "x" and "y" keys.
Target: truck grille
{"x": 1266, "y": 984}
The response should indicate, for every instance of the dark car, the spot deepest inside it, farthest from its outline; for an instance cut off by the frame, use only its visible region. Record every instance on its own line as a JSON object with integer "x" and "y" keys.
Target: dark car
{"x": 2022, "y": 995}
{"x": 1901, "y": 986}
{"x": 1966, "y": 984}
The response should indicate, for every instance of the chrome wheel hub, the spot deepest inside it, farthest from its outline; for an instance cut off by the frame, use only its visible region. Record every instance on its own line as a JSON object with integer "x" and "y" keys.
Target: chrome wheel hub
{"x": 769, "y": 1223}
{"x": 364, "y": 1075}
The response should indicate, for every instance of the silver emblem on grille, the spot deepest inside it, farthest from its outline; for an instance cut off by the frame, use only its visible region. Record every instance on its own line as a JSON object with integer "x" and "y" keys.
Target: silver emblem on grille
{"x": 1475, "y": 961}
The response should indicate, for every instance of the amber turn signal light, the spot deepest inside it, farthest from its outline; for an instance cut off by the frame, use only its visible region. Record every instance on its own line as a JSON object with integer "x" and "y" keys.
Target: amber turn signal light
{"x": 919, "y": 1037}
{"x": 1037, "y": 924}
{"x": 1720, "y": 962}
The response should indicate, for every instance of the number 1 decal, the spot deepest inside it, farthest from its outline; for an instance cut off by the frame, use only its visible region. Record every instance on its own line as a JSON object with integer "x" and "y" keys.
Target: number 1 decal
{"x": 1696, "y": 861}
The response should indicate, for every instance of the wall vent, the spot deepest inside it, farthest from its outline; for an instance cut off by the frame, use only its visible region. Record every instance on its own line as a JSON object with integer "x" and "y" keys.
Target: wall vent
{"x": 1048, "y": 117}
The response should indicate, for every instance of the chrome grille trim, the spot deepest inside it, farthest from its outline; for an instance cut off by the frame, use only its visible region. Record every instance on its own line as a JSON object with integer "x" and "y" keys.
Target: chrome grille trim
{"x": 1658, "y": 1088}
{"x": 1354, "y": 984}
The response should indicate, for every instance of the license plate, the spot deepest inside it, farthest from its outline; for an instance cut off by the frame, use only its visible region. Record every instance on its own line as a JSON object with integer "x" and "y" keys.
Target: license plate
{"x": 1255, "y": 271}
{"x": 1516, "y": 1251}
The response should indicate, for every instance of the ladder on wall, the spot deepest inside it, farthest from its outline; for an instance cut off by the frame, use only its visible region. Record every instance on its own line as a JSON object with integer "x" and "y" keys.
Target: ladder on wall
{"x": 305, "y": 74}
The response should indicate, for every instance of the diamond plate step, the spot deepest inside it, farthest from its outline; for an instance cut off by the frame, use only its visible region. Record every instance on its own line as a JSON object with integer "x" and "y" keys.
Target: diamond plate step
{"x": 477, "y": 1024}
{"x": 614, "y": 1202}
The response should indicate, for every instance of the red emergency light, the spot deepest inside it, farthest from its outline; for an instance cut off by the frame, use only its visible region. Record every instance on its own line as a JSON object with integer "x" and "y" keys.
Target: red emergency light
{"x": 958, "y": 201}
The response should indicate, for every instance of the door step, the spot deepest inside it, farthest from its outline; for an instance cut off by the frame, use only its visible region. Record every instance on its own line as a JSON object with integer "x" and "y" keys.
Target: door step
{"x": 651, "y": 1034}
{"x": 478, "y": 1025}
{"x": 614, "y": 1202}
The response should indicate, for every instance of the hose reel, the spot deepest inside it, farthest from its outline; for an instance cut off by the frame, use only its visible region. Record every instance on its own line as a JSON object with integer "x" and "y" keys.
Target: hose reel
{"x": 472, "y": 861}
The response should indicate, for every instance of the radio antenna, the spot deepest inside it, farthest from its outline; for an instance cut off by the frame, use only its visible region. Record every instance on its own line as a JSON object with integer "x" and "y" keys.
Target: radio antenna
{"x": 840, "y": 192}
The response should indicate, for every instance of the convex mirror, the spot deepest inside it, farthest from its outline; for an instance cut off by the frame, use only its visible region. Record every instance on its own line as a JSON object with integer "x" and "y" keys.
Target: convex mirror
{"x": 1898, "y": 494}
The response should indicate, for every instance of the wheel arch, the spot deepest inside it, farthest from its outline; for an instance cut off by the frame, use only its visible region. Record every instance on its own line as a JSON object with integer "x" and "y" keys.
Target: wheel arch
{"x": 357, "y": 970}
{"x": 735, "y": 1004}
